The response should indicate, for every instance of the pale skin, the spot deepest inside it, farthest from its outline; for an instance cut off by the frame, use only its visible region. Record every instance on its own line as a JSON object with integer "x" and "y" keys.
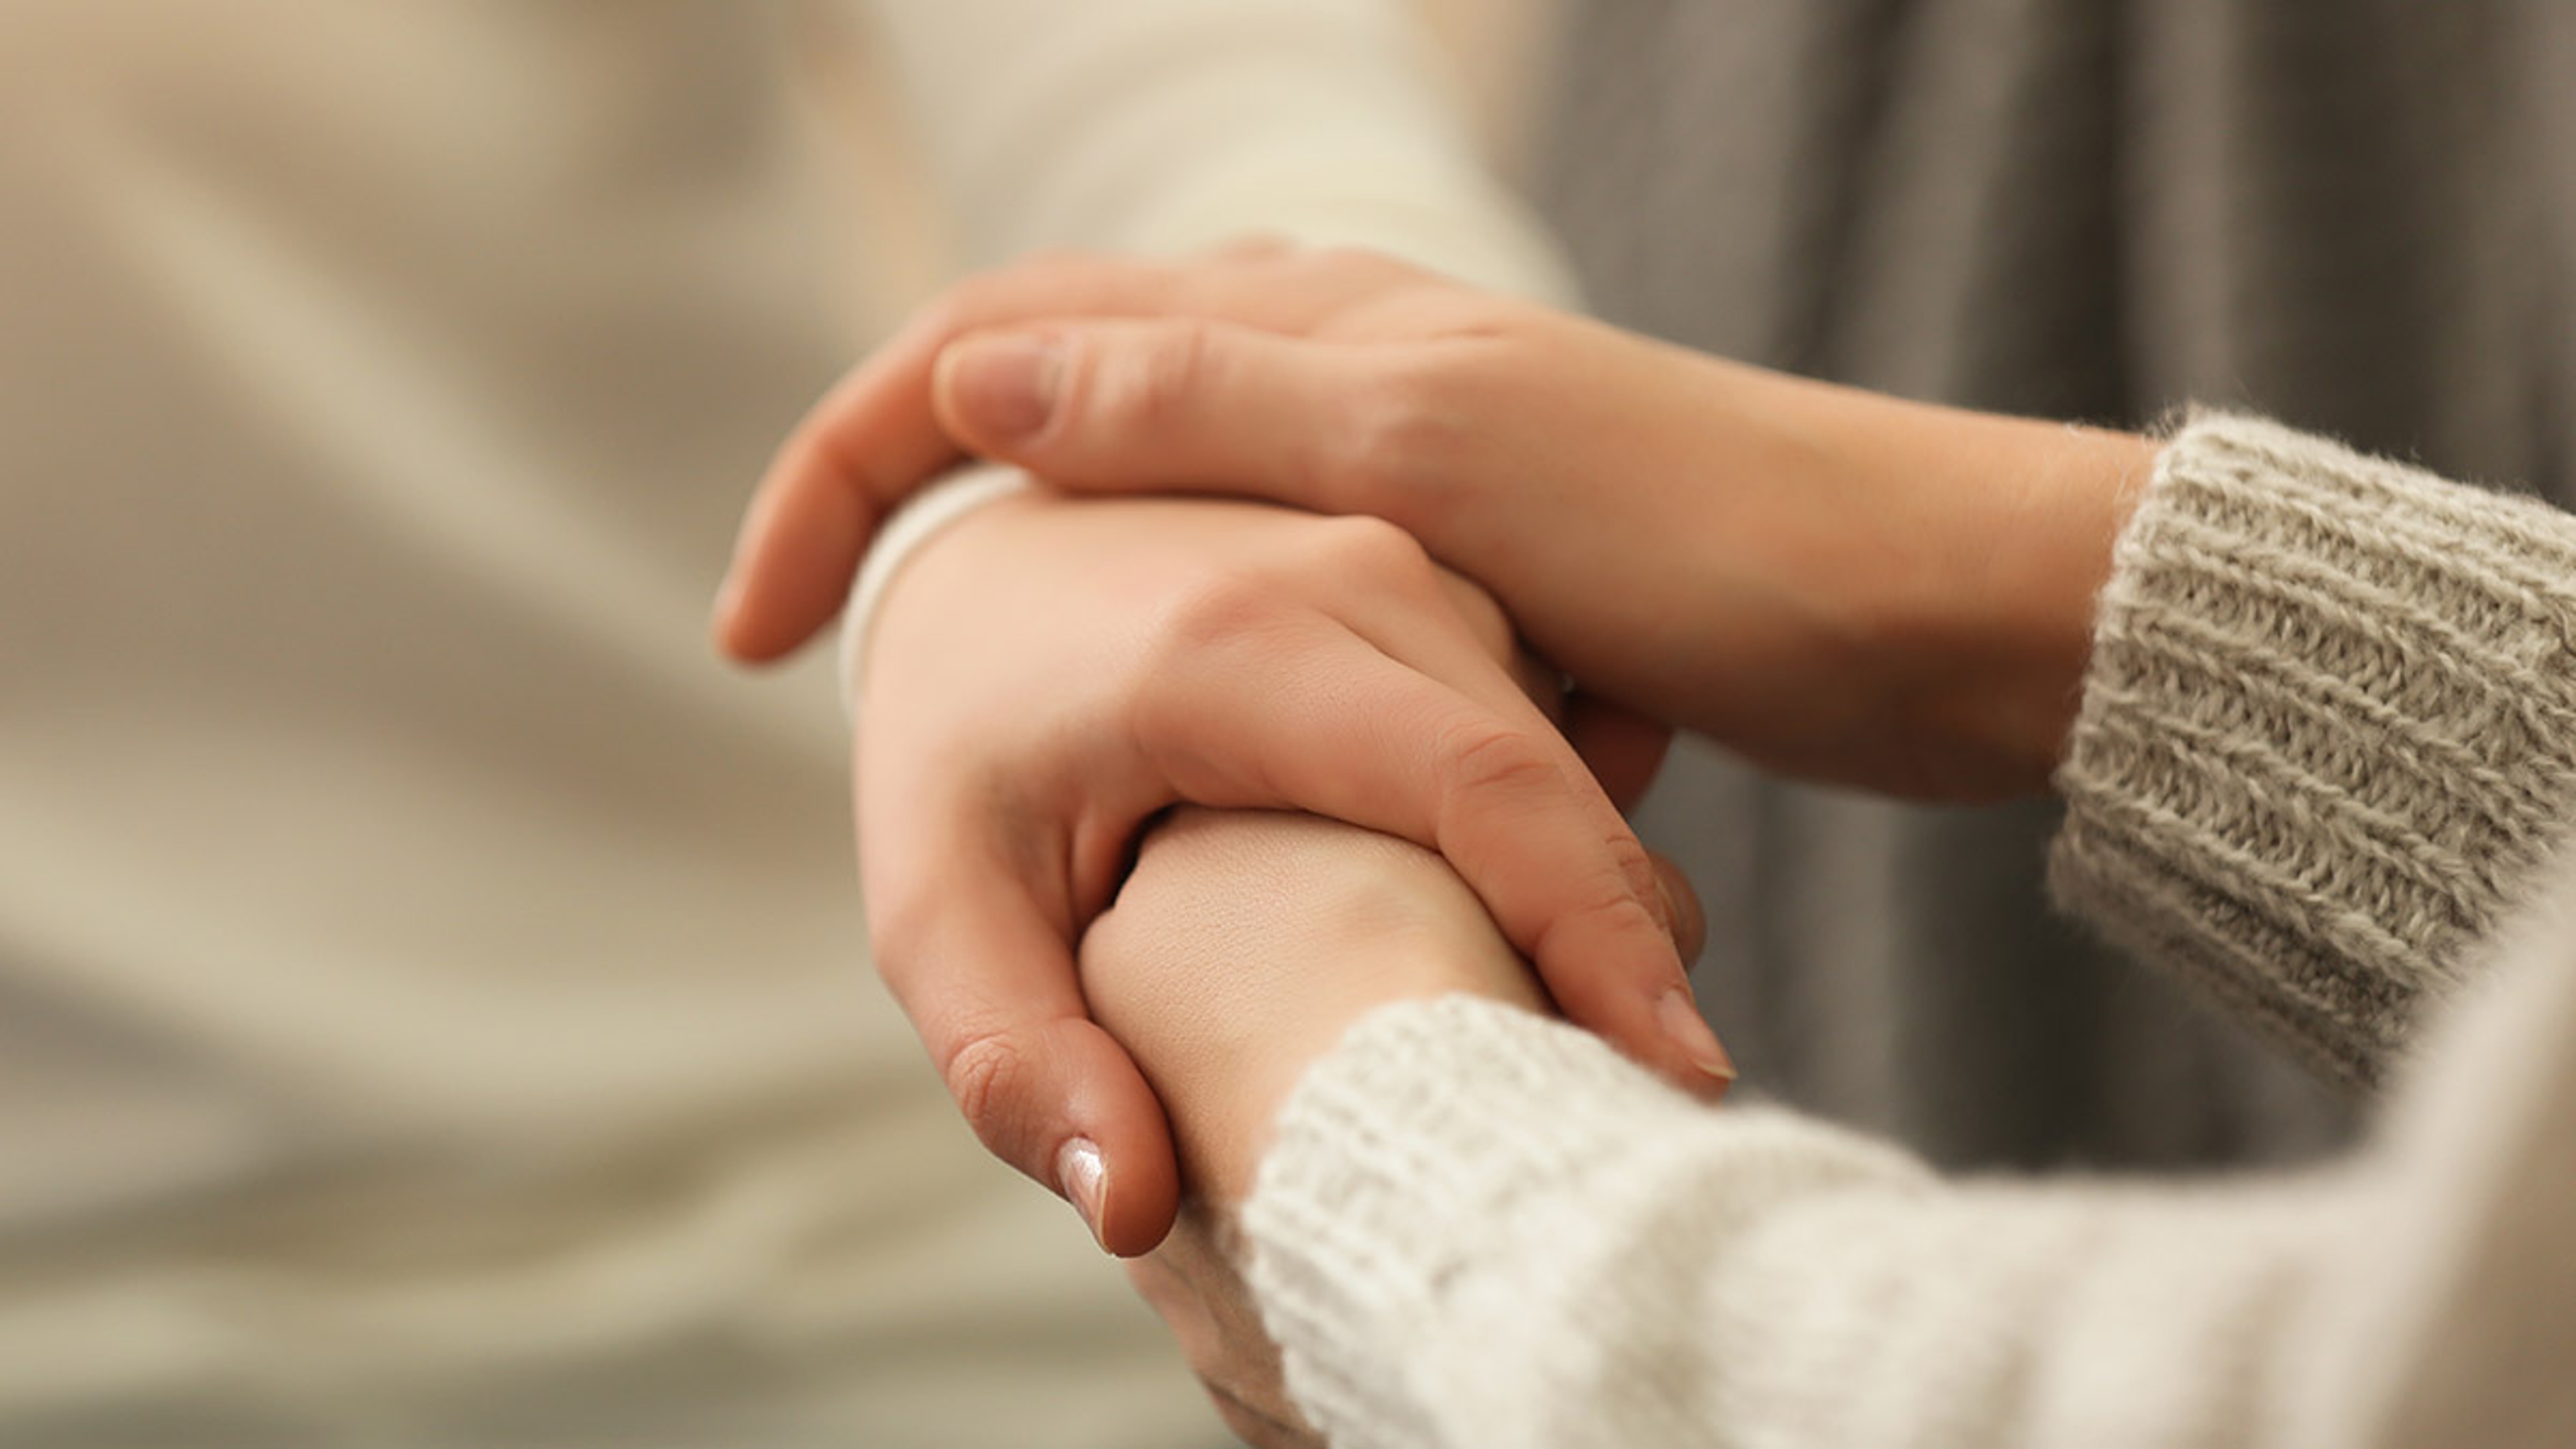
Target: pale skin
{"x": 1240, "y": 950}
{"x": 999, "y": 785}
{"x": 1831, "y": 583}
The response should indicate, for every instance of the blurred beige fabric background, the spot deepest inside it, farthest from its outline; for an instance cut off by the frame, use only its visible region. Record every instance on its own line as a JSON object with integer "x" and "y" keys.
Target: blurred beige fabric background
{"x": 433, "y": 1006}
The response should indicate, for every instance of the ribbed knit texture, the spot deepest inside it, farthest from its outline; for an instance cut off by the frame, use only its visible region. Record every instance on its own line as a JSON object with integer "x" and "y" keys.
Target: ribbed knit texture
{"x": 2329, "y": 731}
{"x": 1459, "y": 1151}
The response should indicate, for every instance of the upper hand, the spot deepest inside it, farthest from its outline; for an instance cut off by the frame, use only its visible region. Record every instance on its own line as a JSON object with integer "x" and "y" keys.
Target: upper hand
{"x": 1836, "y": 584}
{"x": 1049, "y": 673}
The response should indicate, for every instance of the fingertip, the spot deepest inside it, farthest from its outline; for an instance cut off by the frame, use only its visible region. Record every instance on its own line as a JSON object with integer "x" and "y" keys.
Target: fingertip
{"x": 1114, "y": 1159}
{"x": 793, "y": 575}
{"x": 1632, "y": 988}
{"x": 751, "y": 635}
{"x": 1687, "y": 1033}
{"x": 1139, "y": 1215}
{"x": 732, "y": 629}
{"x": 1140, "y": 1184}
{"x": 1128, "y": 1198}
{"x": 720, "y": 623}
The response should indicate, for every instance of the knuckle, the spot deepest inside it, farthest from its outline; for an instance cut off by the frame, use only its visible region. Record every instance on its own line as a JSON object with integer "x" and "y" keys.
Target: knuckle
{"x": 1149, "y": 390}
{"x": 1486, "y": 622}
{"x": 1223, "y": 639}
{"x": 1635, "y": 866}
{"x": 1600, "y": 899}
{"x": 983, "y": 1074}
{"x": 1406, "y": 443}
{"x": 1197, "y": 643}
{"x": 1214, "y": 608}
{"x": 1488, "y": 757}
{"x": 1361, "y": 545}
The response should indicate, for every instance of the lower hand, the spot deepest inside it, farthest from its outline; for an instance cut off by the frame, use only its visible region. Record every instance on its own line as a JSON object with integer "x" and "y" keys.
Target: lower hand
{"x": 1049, "y": 673}
{"x": 1240, "y": 950}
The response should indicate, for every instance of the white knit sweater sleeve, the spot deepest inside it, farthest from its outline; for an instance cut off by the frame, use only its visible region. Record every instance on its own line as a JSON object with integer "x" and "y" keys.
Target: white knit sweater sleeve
{"x": 1479, "y": 1228}
{"x": 1168, "y": 125}
{"x": 1475, "y": 1227}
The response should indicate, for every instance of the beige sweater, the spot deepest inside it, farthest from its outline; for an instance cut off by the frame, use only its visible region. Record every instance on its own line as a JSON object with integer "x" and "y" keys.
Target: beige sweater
{"x": 2327, "y": 742}
{"x": 433, "y": 1000}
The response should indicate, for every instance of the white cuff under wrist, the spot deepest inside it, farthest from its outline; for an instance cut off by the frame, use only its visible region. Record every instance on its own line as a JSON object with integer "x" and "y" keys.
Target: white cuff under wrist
{"x": 915, "y": 523}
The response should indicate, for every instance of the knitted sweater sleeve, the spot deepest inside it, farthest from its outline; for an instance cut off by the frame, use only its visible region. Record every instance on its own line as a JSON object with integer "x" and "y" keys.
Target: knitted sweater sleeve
{"x": 1477, "y": 1227}
{"x": 2328, "y": 732}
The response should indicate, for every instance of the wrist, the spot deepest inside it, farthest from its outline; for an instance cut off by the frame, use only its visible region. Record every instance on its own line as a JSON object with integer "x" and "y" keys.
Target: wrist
{"x": 1246, "y": 943}
{"x": 1998, "y": 536}
{"x": 2061, "y": 495}
{"x": 933, "y": 511}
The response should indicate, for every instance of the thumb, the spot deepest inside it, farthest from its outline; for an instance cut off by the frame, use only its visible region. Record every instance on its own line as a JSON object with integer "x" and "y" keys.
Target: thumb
{"x": 990, "y": 985}
{"x": 1157, "y": 405}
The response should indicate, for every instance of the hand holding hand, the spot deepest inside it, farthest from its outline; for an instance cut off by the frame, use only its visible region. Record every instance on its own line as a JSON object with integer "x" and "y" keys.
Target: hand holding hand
{"x": 1834, "y": 583}
{"x": 1241, "y": 949}
{"x": 1049, "y": 673}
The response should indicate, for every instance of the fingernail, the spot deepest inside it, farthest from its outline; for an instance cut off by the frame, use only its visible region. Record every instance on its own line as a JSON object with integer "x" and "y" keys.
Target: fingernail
{"x": 1082, "y": 1175}
{"x": 1683, "y": 1027}
{"x": 1006, "y": 385}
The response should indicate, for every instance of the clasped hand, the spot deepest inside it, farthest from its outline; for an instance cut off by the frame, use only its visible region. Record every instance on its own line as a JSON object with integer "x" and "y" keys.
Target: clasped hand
{"x": 1052, "y": 672}
{"x": 1833, "y": 584}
